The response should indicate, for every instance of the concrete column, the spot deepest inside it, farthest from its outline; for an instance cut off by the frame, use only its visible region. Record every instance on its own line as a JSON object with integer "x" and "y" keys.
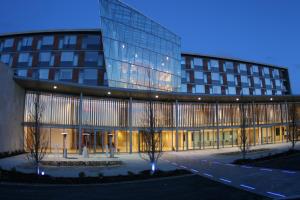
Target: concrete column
{"x": 80, "y": 125}
{"x": 95, "y": 136}
{"x": 217, "y": 121}
{"x": 287, "y": 121}
{"x": 176, "y": 124}
{"x": 130, "y": 124}
{"x": 254, "y": 123}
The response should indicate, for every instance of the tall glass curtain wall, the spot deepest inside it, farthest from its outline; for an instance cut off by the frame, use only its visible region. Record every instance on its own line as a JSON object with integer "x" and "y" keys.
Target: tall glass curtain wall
{"x": 200, "y": 125}
{"x": 139, "y": 53}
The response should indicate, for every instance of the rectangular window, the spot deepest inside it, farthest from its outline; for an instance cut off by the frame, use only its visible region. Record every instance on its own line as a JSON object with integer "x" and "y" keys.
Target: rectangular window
{"x": 23, "y": 57}
{"x": 244, "y": 79}
{"x": 198, "y": 62}
{"x": 266, "y": 70}
{"x": 90, "y": 74}
{"x": 70, "y": 40}
{"x": 198, "y": 75}
{"x": 245, "y": 91}
{"x": 215, "y": 76}
{"x": 277, "y": 83}
{"x": 22, "y": 72}
{"x": 257, "y": 91}
{"x": 67, "y": 56}
{"x": 230, "y": 77}
{"x": 275, "y": 73}
{"x": 183, "y": 88}
{"x": 91, "y": 40}
{"x": 228, "y": 65}
{"x": 216, "y": 89}
{"x": 243, "y": 67}
{"x": 8, "y": 43}
{"x": 255, "y": 69}
{"x": 48, "y": 40}
{"x": 91, "y": 57}
{"x": 200, "y": 89}
{"x": 45, "y": 57}
{"x": 257, "y": 81}
{"x": 269, "y": 92}
{"x": 214, "y": 63}
{"x": 231, "y": 90}
{"x": 268, "y": 81}
{"x": 6, "y": 58}
{"x": 43, "y": 74}
{"x": 27, "y": 41}
{"x": 65, "y": 74}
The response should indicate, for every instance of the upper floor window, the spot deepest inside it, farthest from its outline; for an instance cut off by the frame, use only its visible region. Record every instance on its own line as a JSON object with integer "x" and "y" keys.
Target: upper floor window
{"x": 214, "y": 63}
{"x": 8, "y": 43}
{"x": 257, "y": 91}
{"x": 257, "y": 80}
{"x": 70, "y": 40}
{"x": 43, "y": 73}
{"x": 254, "y": 69}
{"x": 276, "y": 73}
{"x": 277, "y": 83}
{"x": 198, "y": 62}
{"x": 266, "y": 70}
{"x": 231, "y": 90}
{"x": 70, "y": 57}
{"x": 245, "y": 91}
{"x": 183, "y": 88}
{"x": 243, "y": 67}
{"x": 25, "y": 42}
{"x": 90, "y": 40}
{"x": 268, "y": 81}
{"x": 228, "y": 66}
{"x": 21, "y": 72}
{"x": 200, "y": 89}
{"x": 25, "y": 58}
{"x": 44, "y": 56}
{"x": 198, "y": 75}
{"x": 6, "y": 58}
{"x": 65, "y": 74}
{"x": 91, "y": 57}
{"x": 244, "y": 79}
{"x": 230, "y": 77}
{"x": 48, "y": 40}
{"x": 216, "y": 89}
{"x": 268, "y": 92}
{"x": 215, "y": 76}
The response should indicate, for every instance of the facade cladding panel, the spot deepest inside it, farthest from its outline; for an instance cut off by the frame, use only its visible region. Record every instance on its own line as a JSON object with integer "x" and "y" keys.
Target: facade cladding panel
{"x": 139, "y": 53}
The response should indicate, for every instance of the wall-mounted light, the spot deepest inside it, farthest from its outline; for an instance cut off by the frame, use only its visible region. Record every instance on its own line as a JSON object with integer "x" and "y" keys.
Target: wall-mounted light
{"x": 54, "y": 87}
{"x": 109, "y": 93}
{"x": 271, "y": 99}
{"x": 156, "y": 96}
{"x": 237, "y": 99}
{"x": 199, "y": 98}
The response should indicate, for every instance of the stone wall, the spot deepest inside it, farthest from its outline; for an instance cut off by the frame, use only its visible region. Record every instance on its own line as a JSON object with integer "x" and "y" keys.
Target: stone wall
{"x": 11, "y": 112}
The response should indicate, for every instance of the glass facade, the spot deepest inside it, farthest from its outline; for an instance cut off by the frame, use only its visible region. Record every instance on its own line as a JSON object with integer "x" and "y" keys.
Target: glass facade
{"x": 182, "y": 125}
{"x": 139, "y": 53}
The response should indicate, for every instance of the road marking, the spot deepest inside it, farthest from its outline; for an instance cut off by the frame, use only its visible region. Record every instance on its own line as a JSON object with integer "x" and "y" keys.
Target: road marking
{"x": 246, "y": 166}
{"x": 193, "y": 170}
{"x": 209, "y": 175}
{"x": 232, "y": 165}
{"x": 266, "y": 169}
{"x": 174, "y": 163}
{"x": 183, "y": 166}
{"x": 204, "y": 160}
{"x": 247, "y": 186}
{"x": 225, "y": 180}
{"x": 216, "y": 162}
{"x": 288, "y": 172}
{"x": 167, "y": 160}
{"x": 276, "y": 194}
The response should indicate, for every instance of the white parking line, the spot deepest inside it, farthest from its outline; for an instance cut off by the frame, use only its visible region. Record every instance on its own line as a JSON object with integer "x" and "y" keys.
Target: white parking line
{"x": 209, "y": 175}
{"x": 174, "y": 163}
{"x": 195, "y": 171}
{"x": 225, "y": 180}
{"x": 246, "y": 166}
{"x": 183, "y": 166}
{"x": 231, "y": 165}
{"x": 247, "y": 186}
{"x": 266, "y": 169}
{"x": 276, "y": 194}
{"x": 288, "y": 172}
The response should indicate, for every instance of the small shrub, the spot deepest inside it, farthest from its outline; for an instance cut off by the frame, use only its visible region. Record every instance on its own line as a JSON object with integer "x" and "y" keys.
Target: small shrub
{"x": 13, "y": 170}
{"x": 130, "y": 173}
{"x": 100, "y": 175}
{"x": 81, "y": 175}
{"x": 144, "y": 172}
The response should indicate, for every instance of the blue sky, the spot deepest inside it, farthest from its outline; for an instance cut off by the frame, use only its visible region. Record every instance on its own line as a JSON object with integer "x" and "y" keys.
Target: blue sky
{"x": 261, "y": 30}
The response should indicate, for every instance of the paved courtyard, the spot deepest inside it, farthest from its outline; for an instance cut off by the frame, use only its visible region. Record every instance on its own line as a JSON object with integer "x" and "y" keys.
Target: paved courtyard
{"x": 211, "y": 163}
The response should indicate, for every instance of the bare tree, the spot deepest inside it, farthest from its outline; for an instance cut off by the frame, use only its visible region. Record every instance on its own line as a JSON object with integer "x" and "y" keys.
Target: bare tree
{"x": 151, "y": 139}
{"x": 293, "y": 132}
{"x": 244, "y": 144}
{"x": 36, "y": 142}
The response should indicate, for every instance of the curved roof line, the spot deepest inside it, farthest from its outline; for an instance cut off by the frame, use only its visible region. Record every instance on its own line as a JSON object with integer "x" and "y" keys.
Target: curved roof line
{"x": 232, "y": 59}
{"x": 48, "y": 31}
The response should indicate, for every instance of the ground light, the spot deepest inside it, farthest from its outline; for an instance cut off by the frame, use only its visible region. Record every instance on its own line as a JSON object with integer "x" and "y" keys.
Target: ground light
{"x": 152, "y": 168}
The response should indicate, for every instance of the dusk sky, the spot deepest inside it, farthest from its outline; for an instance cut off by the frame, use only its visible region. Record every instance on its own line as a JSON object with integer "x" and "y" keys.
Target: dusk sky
{"x": 260, "y": 30}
